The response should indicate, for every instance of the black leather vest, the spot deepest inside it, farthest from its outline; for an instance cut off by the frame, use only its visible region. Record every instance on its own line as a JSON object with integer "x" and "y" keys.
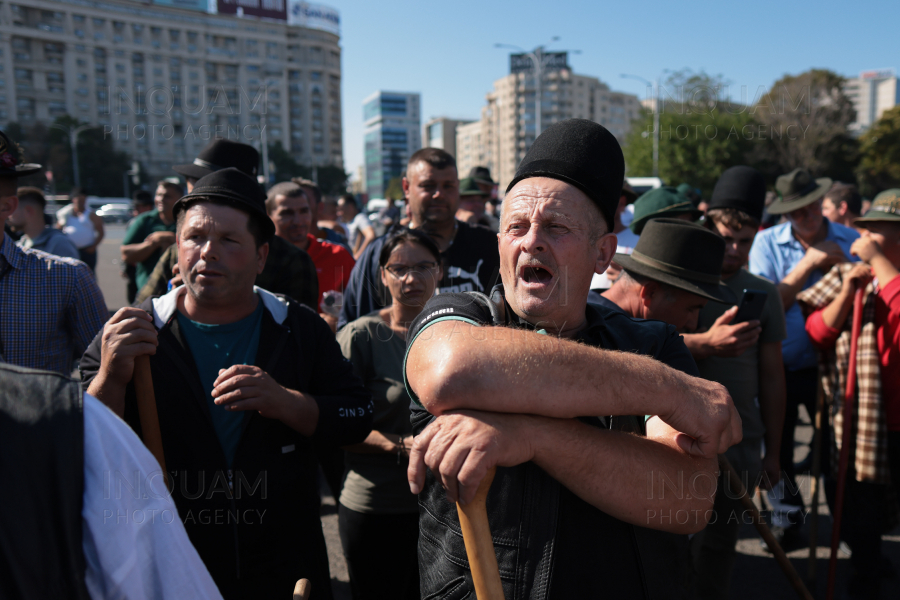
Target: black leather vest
{"x": 42, "y": 475}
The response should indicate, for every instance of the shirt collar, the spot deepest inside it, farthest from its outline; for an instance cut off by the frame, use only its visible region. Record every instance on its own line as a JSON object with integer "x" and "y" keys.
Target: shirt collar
{"x": 12, "y": 254}
{"x": 595, "y": 320}
{"x": 164, "y": 307}
{"x": 784, "y": 234}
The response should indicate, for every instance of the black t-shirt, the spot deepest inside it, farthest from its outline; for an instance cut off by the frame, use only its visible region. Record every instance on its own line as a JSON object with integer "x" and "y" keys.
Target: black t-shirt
{"x": 471, "y": 263}
{"x": 596, "y": 555}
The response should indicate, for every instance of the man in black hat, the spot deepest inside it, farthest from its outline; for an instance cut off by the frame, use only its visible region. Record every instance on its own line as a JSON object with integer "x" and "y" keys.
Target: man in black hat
{"x": 794, "y": 256}
{"x": 50, "y": 307}
{"x": 745, "y": 357}
{"x": 671, "y": 274}
{"x": 289, "y": 270}
{"x": 246, "y": 384}
{"x": 518, "y": 379}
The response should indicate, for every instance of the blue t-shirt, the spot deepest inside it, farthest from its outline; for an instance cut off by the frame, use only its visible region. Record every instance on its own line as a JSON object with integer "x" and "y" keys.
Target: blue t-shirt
{"x": 217, "y": 347}
{"x": 774, "y": 254}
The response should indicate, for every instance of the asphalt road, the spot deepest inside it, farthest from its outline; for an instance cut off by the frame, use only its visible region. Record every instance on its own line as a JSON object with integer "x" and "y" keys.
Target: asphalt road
{"x": 756, "y": 574}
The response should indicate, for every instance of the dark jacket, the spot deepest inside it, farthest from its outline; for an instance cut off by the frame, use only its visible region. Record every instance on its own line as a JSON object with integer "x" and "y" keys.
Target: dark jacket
{"x": 42, "y": 469}
{"x": 550, "y": 543}
{"x": 259, "y": 520}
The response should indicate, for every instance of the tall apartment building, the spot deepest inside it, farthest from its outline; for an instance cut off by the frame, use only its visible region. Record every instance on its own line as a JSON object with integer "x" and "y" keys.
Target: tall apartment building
{"x": 393, "y": 133}
{"x": 507, "y": 127}
{"x": 163, "y": 81}
{"x": 872, "y": 93}
{"x": 440, "y": 132}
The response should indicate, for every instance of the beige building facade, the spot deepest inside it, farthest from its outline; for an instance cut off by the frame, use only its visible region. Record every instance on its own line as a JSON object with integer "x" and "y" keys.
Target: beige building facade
{"x": 163, "y": 82}
{"x": 872, "y": 93}
{"x": 506, "y": 130}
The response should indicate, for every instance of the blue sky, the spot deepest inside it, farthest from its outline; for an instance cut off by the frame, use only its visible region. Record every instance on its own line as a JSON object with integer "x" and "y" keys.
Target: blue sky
{"x": 445, "y": 51}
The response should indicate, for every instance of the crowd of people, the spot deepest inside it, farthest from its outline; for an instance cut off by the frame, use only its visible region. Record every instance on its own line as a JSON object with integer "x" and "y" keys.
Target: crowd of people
{"x": 592, "y": 343}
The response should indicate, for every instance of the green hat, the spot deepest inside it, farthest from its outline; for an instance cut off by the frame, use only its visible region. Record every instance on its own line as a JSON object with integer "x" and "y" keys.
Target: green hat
{"x": 663, "y": 201}
{"x": 796, "y": 190}
{"x": 885, "y": 207}
{"x": 469, "y": 187}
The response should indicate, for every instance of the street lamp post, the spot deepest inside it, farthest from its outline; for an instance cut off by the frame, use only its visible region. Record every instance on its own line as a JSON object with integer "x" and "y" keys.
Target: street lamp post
{"x": 655, "y": 119}
{"x": 537, "y": 60}
{"x": 73, "y": 143}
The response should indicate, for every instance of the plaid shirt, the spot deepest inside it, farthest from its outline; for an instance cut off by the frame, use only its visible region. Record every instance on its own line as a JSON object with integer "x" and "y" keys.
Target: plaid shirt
{"x": 289, "y": 271}
{"x": 869, "y": 447}
{"x": 50, "y": 308}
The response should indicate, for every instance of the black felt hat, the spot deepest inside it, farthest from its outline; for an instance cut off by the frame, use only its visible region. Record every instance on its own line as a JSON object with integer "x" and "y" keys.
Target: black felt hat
{"x": 482, "y": 175}
{"x": 582, "y": 153}
{"x": 10, "y": 159}
{"x": 234, "y": 188}
{"x": 222, "y": 154}
{"x": 742, "y": 188}
{"x": 680, "y": 254}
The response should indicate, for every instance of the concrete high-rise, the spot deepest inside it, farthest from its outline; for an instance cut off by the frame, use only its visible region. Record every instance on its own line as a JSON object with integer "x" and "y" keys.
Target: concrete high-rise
{"x": 163, "y": 81}
{"x": 872, "y": 93}
{"x": 393, "y": 133}
{"x": 507, "y": 127}
{"x": 440, "y": 132}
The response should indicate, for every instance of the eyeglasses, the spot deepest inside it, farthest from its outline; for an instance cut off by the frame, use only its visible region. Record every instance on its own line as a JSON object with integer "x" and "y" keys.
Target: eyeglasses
{"x": 401, "y": 271}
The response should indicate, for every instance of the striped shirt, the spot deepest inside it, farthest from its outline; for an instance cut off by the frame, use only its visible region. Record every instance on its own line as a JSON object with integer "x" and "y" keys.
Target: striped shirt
{"x": 50, "y": 308}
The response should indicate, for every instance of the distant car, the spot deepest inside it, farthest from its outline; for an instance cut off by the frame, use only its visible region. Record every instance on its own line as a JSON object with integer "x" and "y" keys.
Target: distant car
{"x": 115, "y": 213}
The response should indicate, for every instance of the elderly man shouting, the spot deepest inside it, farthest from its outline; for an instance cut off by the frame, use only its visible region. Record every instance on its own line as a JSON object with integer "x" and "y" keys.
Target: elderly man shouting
{"x": 246, "y": 382}
{"x": 555, "y": 392}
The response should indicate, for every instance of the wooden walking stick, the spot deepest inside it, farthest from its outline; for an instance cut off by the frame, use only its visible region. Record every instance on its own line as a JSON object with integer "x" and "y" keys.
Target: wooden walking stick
{"x": 818, "y": 421}
{"x": 736, "y": 485}
{"x": 479, "y": 546}
{"x": 301, "y": 590}
{"x": 146, "y": 404}
{"x": 847, "y": 429}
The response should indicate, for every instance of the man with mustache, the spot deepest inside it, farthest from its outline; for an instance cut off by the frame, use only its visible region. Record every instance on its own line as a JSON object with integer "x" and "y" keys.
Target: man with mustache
{"x": 554, "y": 392}
{"x": 469, "y": 252}
{"x": 247, "y": 383}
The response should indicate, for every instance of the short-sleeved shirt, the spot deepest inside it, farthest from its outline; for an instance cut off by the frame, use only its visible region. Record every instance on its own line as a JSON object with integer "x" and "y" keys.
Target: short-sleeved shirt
{"x": 741, "y": 374}
{"x": 377, "y": 483}
{"x": 217, "y": 347}
{"x": 579, "y": 525}
{"x": 142, "y": 226}
{"x": 355, "y": 228}
{"x": 333, "y": 266}
{"x": 775, "y": 253}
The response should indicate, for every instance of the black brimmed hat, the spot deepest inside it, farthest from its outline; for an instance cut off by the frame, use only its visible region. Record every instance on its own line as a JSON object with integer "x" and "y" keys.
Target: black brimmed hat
{"x": 742, "y": 188}
{"x": 662, "y": 202}
{"x": 468, "y": 186}
{"x": 681, "y": 254}
{"x": 482, "y": 175}
{"x": 11, "y": 159}
{"x": 234, "y": 188}
{"x": 582, "y": 153}
{"x": 222, "y": 154}
{"x": 796, "y": 190}
{"x": 885, "y": 208}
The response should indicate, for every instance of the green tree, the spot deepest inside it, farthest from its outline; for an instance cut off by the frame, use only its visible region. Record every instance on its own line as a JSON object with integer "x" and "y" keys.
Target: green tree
{"x": 879, "y": 165}
{"x": 806, "y": 119}
{"x": 332, "y": 180}
{"x": 700, "y": 134}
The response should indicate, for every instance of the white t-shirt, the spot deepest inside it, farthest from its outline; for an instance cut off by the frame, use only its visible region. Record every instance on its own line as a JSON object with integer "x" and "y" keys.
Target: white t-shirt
{"x": 355, "y": 227}
{"x": 135, "y": 545}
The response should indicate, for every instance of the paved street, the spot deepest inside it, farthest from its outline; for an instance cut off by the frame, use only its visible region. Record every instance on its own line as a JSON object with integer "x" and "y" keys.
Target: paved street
{"x": 756, "y": 574}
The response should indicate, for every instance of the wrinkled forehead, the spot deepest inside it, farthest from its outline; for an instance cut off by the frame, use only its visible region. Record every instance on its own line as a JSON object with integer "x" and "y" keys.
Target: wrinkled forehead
{"x": 542, "y": 196}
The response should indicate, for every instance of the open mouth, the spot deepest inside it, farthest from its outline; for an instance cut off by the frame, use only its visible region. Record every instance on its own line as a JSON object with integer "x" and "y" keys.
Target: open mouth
{"x": 536, "y": 274}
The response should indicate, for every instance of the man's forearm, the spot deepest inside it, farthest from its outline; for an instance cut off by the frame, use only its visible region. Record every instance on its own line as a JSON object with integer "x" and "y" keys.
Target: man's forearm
{"x": 135, "y": 253}
{"x": 697, "y": 344}
{"x": 454, "y": 365}
{"x": 793, "y": 283}
{"x": 643, "y": 481}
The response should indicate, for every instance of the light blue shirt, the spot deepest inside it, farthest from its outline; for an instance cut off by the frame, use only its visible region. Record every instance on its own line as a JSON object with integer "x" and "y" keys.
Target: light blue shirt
{"x": 774, "y": 254}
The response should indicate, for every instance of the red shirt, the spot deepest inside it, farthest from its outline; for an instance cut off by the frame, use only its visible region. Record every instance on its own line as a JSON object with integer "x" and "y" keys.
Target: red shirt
{"x": 333, "y": 265}
{"x": 887, "y": 332}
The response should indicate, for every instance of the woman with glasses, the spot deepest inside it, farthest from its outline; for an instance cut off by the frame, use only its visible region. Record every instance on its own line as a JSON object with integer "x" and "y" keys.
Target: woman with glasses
{"x": 377, "y": 515}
